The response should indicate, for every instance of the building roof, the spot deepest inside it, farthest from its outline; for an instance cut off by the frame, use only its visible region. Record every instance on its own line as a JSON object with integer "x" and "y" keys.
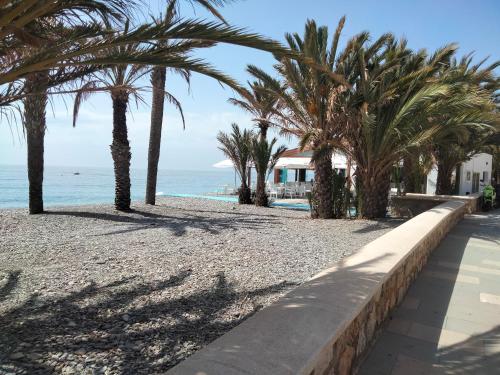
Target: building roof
{"x": 296, "y": 153}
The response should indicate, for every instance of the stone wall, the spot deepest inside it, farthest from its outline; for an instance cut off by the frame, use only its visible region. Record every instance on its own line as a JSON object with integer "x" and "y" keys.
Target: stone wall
{"x": 411, "y": 204}
{"x": 325, "y": 325}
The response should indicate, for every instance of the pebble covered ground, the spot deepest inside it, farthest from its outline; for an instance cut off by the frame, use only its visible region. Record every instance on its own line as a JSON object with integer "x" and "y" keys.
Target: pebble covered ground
{"x": 89, "y": 290}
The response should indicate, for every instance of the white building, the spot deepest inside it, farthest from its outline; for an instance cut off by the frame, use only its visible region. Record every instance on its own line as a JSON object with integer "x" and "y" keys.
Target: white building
{"x": 472, "y": 176}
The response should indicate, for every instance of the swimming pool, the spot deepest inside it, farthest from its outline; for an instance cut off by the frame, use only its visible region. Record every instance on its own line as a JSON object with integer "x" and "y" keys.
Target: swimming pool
{"x": 225, "y": 198}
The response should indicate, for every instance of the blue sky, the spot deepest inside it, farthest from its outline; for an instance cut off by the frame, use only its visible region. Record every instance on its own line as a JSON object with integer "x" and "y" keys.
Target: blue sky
{"x": 425, "y": 23}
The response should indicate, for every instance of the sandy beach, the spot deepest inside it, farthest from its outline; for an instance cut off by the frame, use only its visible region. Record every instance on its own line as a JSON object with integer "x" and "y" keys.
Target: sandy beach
{"x": 88, "y": 289}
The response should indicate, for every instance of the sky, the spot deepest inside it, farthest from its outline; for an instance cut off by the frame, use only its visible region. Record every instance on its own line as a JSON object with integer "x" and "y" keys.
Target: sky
{"x": 430, "y": 24}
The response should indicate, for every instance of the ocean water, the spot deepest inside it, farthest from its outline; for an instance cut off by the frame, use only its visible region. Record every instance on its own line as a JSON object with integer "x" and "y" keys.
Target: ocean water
{"x": 96, "y": 185}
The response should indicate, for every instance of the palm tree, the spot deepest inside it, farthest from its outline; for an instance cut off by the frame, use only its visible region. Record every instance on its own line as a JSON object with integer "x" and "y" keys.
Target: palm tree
{"x": 449, "y": 152}
{"x": 468, "y": 129}
{"x": 34, "y": 124}
{"x": 237, "y": 147}
{"x": 264, "y": 160}
{"x": 307, "y": 100}
{"x": 416, "y": 165}
{"x": 121, "y": 82}
{"x": 259, "y": 101}
{"x": 158, "y": 80}
{"x": 394, "y": 99}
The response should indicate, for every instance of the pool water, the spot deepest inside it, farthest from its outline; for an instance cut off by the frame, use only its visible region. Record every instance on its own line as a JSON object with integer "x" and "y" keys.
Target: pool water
{"x": 232, "y": 199}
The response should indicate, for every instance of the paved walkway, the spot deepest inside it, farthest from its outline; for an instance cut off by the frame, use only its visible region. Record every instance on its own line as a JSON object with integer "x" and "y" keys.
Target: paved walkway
{"x": 449, "y": 322}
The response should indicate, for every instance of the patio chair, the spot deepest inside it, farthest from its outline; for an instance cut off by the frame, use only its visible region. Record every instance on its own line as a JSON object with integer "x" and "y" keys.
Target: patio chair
{"x": 273, "y": 190}
{"x": 301, "y": 190}
{"x": 290, "y": 191}
{"x": 308, "y": 188}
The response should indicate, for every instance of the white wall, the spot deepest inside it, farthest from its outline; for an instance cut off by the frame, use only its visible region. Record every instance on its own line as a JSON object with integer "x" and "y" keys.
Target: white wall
{"x": 432, "y": 181}
{"x": 479, "y": 163}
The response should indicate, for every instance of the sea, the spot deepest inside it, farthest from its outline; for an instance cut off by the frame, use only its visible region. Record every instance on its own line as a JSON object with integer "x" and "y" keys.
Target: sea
{"x": 84, "y": 185}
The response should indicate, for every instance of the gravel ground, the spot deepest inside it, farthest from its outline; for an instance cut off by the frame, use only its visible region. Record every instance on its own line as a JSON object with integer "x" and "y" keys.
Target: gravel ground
{"x": 91, "y": 290}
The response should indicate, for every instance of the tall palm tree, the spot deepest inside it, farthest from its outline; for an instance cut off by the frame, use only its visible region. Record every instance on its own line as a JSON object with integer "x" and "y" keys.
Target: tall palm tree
{"x": 307, "y": 98}
{"x": 158, "y": 80}
{"x": 237, "y": 147}
{"x": 34, "y": 125}
{"x": 264, "y": 160}
{"x": 121, "y": 82}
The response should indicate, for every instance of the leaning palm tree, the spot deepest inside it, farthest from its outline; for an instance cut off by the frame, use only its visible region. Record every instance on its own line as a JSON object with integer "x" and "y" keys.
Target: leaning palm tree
{"x": 237, "y": 147}
{"x": 308, "y": 99}
{"x": 158, "y": 80}
{"x": 264, "y": 160}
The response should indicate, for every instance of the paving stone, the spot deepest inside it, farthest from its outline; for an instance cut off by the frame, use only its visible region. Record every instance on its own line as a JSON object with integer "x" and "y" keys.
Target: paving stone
{"x": 489, "y": 298}
{"x": 410, "y": 303}
{"x": 399, "y": 326}
{"x": 491, "y": 262}
{"x": 472, "y": 328}
{"x": 449, "y": 276}
{"x": 410, "y": 366}
{"x": 449, "y": 338}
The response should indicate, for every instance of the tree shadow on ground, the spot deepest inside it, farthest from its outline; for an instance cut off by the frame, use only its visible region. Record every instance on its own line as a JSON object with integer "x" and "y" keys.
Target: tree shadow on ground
{"x": 274, "y": 212}
{"x": 381, "y": 224}
{"x": 9, "y": 285}
{"x": 178, "y": 225}
{"x": 124, "y": 327}
{"x": 459, "y": 359}
{"x": 475, "y": 226}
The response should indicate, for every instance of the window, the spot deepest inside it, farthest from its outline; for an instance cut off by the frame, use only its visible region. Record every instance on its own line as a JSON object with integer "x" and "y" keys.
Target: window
{"x": 485, "y": 177}
{"x": 467, "y": 176}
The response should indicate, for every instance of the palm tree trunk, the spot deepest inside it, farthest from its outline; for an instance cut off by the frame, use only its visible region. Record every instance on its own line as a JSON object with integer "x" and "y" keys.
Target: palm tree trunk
{"x": 443, "y": 183}
{"x": 374, "y": 195}
{"x": 244, "y": 194}
{"x": 120, "y": 150}
{"x": 323, "y": 173}
{"x": 158, "y": 77}
{"x": 263, "y": 127}
{"x": 260, "y": 190}
{"x": 348, "y": 184}
{"x": 409, "y": 175}
{"x": 35, "y": 123}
